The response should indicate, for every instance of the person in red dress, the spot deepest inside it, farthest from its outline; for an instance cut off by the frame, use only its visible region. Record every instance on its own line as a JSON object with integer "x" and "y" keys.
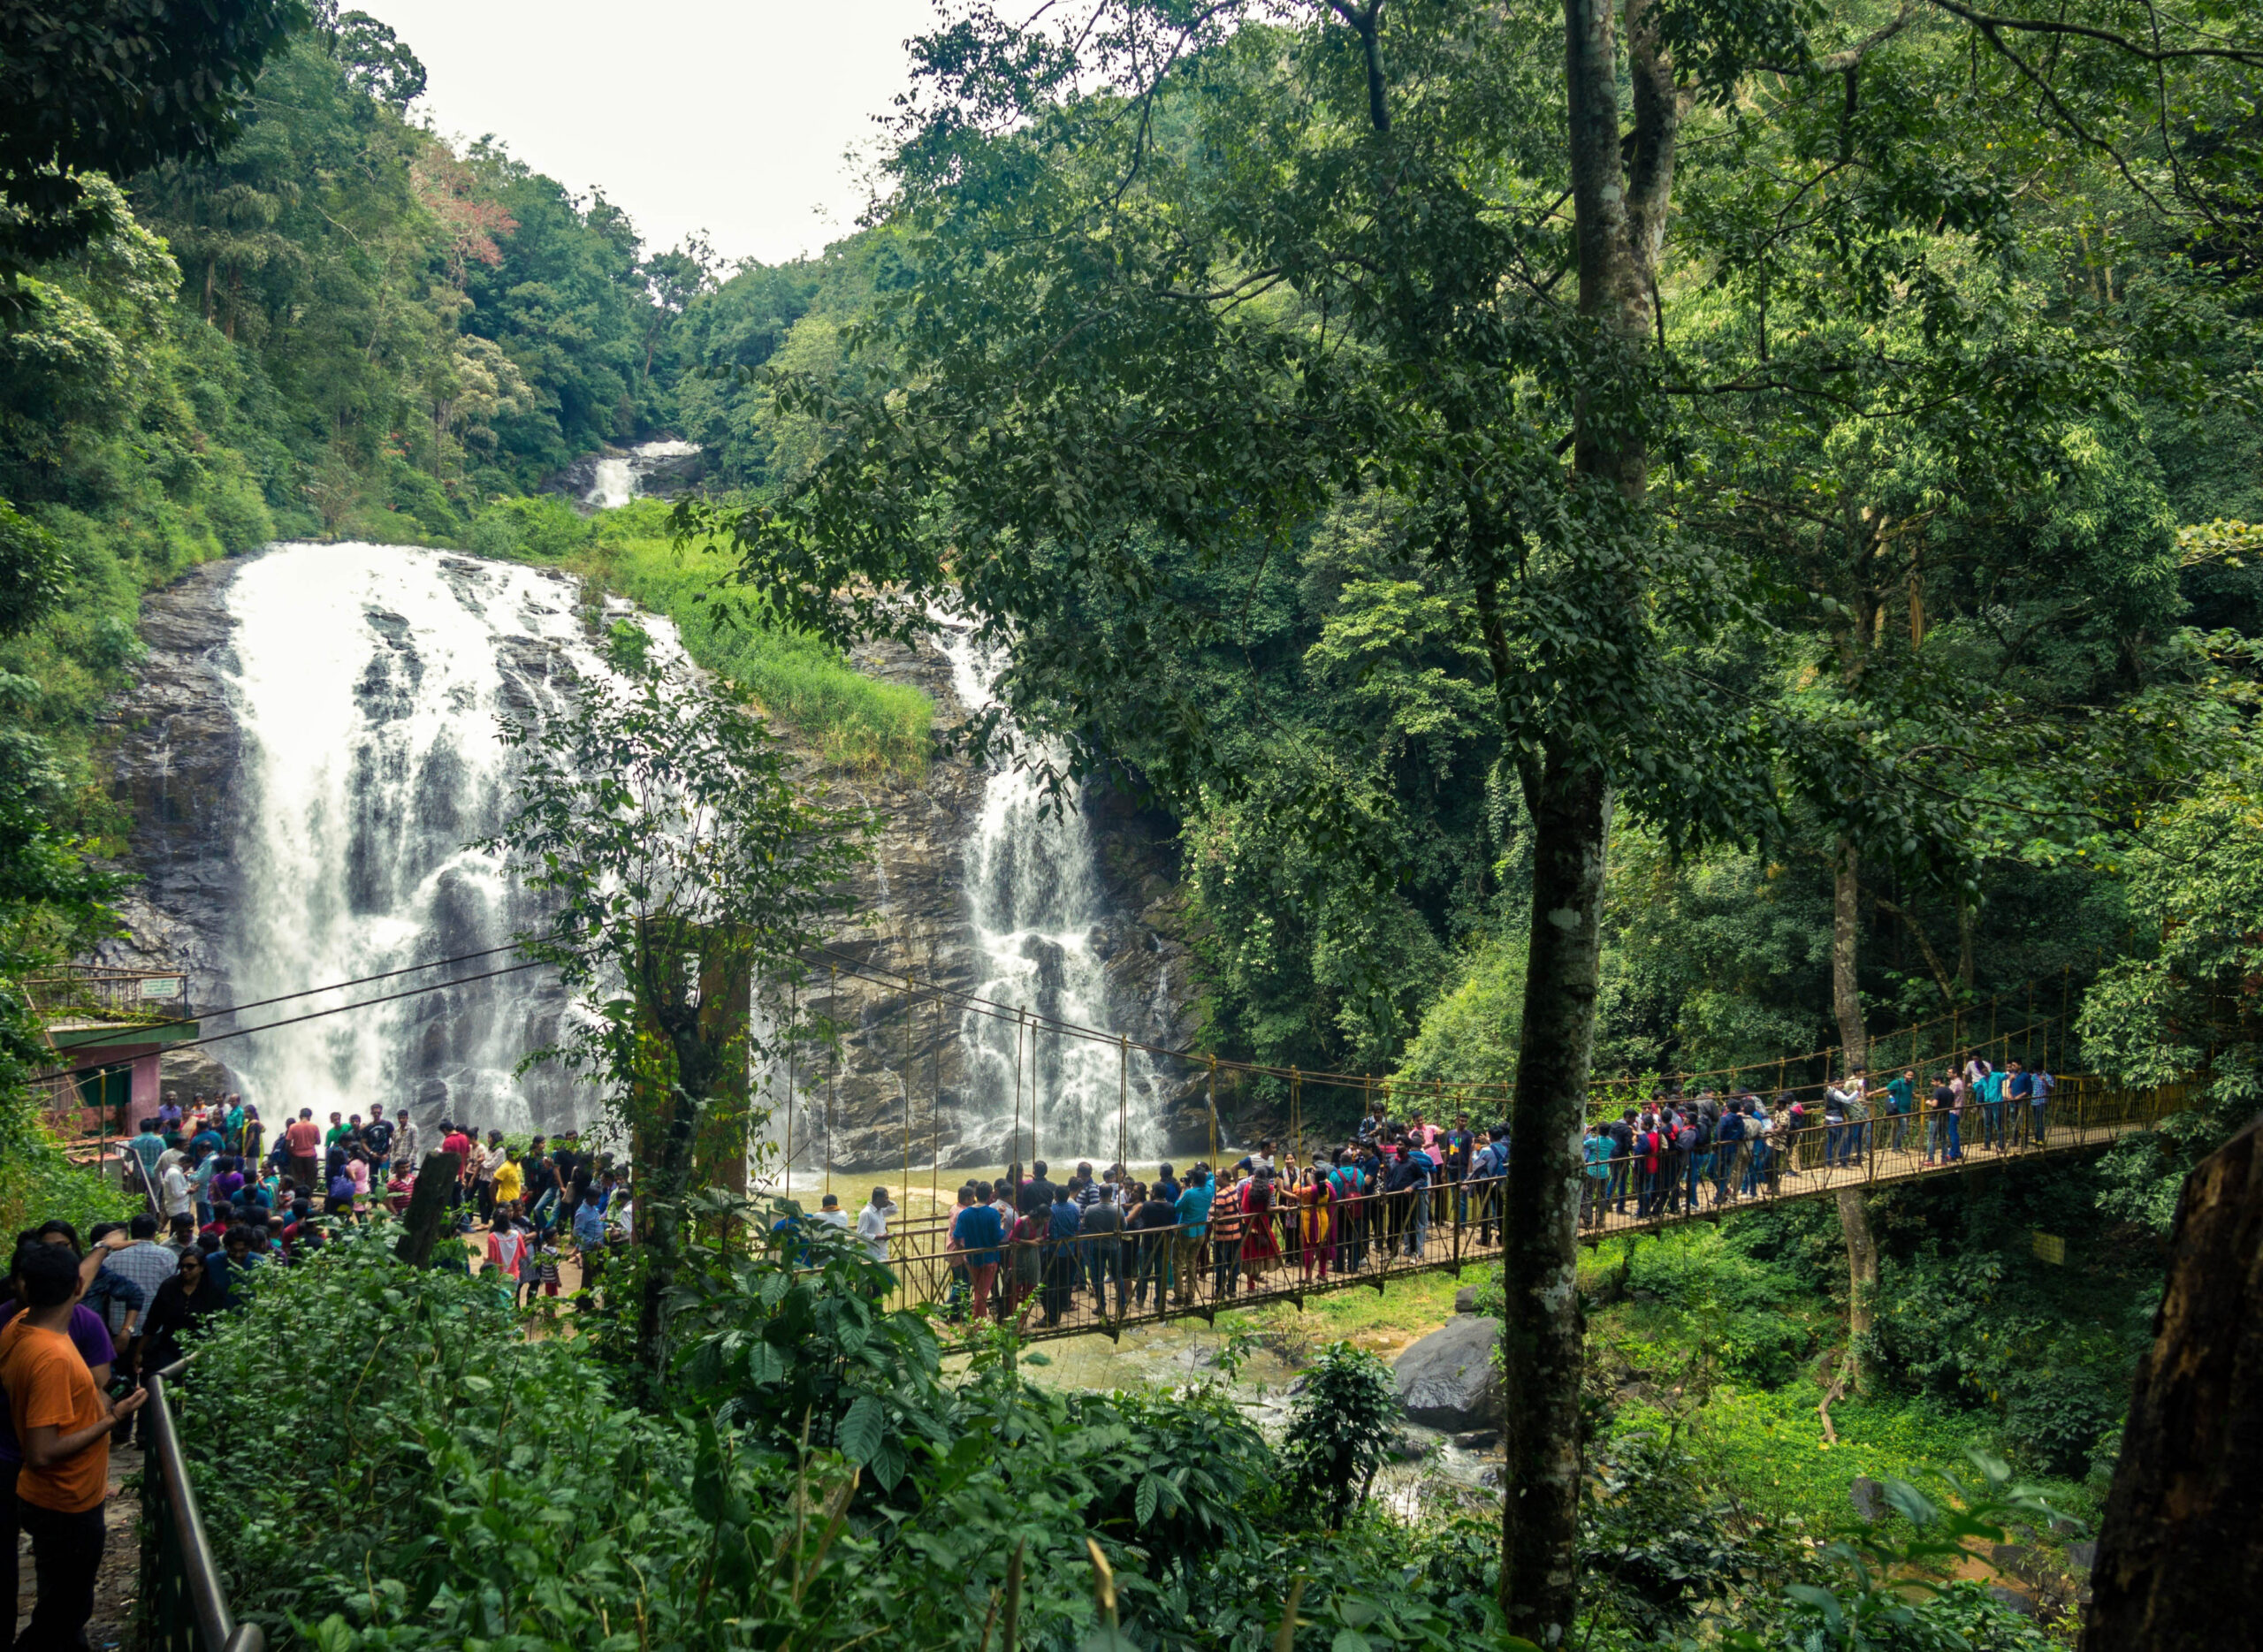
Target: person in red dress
{"x": 1259, "y": 1244}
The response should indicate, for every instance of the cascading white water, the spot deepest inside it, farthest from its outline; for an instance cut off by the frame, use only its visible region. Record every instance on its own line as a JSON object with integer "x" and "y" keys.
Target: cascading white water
{"x": 1032, "y": 880}
{"x": 614, "y": 482}
{"x": 367, "y": 681}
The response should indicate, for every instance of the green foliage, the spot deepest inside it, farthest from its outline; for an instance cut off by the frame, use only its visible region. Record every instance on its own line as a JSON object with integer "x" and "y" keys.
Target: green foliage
{"x": 682, "y": 864}
{"x": 544, "y": 526}
{"x": 114, "y": 88}
{"x": 1886, "y": 1588}
{"x": 1659, "y": 1549}
{"x": 1719, "y": 1290}
{"x": 851, "y": 721}
{"x": 2184, "y": 1003}
{"x": 461, "y": 1483}
{"x": 1341, "y": 1424}
{"x": 451, "y": 1482}
{"x": 792, "y": 1341}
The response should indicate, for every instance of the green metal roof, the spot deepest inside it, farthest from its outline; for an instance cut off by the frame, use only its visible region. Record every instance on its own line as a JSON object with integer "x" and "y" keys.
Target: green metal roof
{"x": 100, "y": 1034}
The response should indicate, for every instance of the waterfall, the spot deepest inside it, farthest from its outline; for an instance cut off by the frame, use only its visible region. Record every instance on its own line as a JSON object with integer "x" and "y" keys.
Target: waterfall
{"x": 366, "y": 681}
{"x": 1038, "y": 908}
{"x": 614, "y": 482}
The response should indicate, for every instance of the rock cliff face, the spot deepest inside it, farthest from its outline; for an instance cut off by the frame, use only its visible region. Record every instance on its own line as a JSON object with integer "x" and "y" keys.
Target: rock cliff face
{"x": 174, "y": 754}
{"x": 898, "y": 1091}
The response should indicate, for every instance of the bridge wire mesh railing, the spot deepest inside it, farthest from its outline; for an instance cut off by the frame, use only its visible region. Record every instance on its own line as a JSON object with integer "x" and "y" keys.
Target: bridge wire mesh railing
{"x": 809, "y": 1108}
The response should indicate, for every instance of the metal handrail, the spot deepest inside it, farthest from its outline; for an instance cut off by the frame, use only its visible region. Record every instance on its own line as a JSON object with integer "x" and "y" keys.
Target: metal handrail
{"x": 217, "y": 1629}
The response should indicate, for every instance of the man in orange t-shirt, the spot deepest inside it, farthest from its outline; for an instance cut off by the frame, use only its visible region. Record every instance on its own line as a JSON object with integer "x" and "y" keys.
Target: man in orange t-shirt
{"x": 302, "y": 1141}
{"x": 63, "y": 1423}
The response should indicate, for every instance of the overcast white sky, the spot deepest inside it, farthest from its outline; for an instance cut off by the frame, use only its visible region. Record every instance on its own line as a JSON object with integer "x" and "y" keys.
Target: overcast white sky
{"x": 731, "y": 116}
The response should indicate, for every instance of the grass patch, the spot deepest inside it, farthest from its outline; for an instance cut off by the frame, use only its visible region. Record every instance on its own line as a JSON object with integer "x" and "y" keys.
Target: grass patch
{"x": 849, "y": 719}
{"x": 1376, "y": 1320}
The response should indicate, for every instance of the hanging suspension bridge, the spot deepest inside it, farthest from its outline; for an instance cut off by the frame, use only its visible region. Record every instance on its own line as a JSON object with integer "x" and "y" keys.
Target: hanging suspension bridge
{"x": 1286, "y": 1249}
{"x": 1293, "y": 1246}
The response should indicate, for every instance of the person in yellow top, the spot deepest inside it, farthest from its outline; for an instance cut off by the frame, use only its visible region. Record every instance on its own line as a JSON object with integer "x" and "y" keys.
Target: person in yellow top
{"x": 508, "y": 1179}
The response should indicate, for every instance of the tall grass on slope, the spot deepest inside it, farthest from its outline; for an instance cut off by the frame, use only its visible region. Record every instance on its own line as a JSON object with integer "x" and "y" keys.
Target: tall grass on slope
{"x": 850, "y": 720}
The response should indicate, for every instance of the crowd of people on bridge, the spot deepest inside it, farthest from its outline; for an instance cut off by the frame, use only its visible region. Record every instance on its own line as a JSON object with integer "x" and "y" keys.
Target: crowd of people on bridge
{"x": 1679, "y": 1153}
{"x": 1025, "y": 1245}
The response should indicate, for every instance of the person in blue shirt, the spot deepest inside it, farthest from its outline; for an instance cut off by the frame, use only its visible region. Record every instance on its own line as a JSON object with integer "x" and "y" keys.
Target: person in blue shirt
{"x": 147, "y": 1148}
{"x": 2040, "y": 1084}
{"x": 1062, "y": 1262}
{"x": 1410, "y": 1178}
{"x": 1595, "y": 1180}
{"x": 1487, "y": 1168}
{"x": 1902, "y": 1103}
{"x": 1193, "y": 1206}
{"x": 980, "y": 1230}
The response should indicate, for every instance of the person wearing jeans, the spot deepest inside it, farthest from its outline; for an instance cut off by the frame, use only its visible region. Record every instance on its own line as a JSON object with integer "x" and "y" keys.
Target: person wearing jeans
{"x": 1758, "y": 1151}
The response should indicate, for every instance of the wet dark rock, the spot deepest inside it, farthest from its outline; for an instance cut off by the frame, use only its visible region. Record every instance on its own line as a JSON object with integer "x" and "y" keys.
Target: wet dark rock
{"x": 1478, "y": 1439}
{"x": 2019, "y": 1599}
{"x": 1448, "y": 1381}
{"x": 173, "y": 754}
{"x": 184, "y": 1074}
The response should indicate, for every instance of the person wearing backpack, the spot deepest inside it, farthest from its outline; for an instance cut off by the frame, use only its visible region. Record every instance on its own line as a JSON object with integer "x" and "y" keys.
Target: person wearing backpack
{"x": 1595, "y": 1182}
{"x": 1728, "y": 1153}
{"x": 1622, "y": 1160}
{"x": 1346, "y": 1185}
{"x": 1489, "y": 1166}
{"x": 1696, "y": 1145}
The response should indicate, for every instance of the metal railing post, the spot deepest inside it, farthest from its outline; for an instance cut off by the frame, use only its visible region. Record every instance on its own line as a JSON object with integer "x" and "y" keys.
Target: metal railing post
{"x": 217, "y": 1629}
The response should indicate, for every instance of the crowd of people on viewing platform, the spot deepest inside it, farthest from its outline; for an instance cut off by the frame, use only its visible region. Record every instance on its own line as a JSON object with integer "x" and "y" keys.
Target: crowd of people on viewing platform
{"x": 1025, "y": 1245}
{"x": 206, "y": 1172}
{"x": 86, "y": 1320}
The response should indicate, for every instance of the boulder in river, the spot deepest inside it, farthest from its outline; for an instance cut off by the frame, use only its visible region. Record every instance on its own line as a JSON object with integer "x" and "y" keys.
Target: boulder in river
{"x": 1448, "y": 1381}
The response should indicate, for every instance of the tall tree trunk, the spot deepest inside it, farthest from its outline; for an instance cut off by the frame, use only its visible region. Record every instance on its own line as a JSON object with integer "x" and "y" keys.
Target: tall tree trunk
{"x": 2178, "y": 1565}
{"x": 1854, "y": 1038}
{"x": 660, "y": 1213}
{"x": 1542, "y": 1340}
{"x": 1620, "y": 198}
{"x": 1846, "y": 944}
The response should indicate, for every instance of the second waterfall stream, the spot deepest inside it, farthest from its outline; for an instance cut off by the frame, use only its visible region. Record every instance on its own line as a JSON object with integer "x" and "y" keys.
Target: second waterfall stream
{"x": 1038, "y": 908}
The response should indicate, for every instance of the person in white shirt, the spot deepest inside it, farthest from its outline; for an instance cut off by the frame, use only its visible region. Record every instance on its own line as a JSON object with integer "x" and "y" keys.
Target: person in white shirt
{"x": 173, "y": 1188}
{"x": 829, "y": 1211}
{"x": 872, "y": 1224}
